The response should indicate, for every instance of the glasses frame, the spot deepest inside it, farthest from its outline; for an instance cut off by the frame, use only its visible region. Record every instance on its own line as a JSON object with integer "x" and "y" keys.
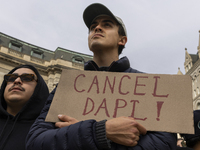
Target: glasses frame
{"x": 7, "y": 76}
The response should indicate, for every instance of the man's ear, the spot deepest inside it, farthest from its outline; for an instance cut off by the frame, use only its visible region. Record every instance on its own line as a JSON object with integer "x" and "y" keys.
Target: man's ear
{"x": 122, "y": 40}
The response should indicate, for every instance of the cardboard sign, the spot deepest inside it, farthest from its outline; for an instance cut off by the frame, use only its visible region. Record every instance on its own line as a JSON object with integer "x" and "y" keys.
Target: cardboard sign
{"x": 159, "y": 102}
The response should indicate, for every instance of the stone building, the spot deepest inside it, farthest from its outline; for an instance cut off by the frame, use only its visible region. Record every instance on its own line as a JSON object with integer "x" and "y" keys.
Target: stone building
{"x": 14, "y": 52}
{"x": 192, "y": 68}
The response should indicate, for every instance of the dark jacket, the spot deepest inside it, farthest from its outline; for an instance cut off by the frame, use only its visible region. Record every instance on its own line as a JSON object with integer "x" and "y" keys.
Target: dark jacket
{"x": 82, "y": 135}
{"x": 193, "y": 139}
{"x": 184, "y": 148}
{"x": 14, "y": 129}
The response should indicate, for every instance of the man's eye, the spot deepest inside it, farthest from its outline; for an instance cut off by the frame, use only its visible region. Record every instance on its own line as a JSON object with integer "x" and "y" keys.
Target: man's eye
{"x": 12, "y": 78}
{"x": 92, "y": 27}
{"x": 107, "y": 25}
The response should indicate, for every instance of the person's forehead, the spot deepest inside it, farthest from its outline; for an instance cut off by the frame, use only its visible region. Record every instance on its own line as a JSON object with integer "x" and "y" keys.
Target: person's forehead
{"x": 103, "y": 18}
{"x": 23, "y": 70}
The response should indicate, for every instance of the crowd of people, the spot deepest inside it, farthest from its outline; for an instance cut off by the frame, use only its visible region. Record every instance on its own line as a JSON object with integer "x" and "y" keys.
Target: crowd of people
{"x": 25, "y": 101}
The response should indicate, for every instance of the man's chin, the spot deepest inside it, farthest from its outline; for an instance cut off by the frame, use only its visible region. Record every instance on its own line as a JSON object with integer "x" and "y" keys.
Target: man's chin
{"x": 15, "y": 99}
{"x": 96, "y": 48}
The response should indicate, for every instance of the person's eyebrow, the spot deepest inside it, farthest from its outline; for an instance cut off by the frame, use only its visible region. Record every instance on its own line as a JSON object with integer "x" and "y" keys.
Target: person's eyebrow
{"x": 108, "y": 21}
{"x": 94, "y": 22}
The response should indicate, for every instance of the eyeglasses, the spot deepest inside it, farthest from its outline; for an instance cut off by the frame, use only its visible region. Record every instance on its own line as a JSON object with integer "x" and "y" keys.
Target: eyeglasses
{"x": 23, "y": 77}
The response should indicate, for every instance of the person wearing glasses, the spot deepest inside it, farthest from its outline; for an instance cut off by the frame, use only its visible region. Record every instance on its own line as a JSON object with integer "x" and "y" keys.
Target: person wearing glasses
{"x": 22, "y": 97}
{"x": 107, "y": 38}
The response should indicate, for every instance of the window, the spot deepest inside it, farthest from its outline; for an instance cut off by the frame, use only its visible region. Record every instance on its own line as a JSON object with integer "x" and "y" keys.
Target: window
{"x": 37, "y": 53}
{"x": 186, "y": 68}
{"x": 198, "y": 105}
{"x": 195, "y": 94}
{"x": 15, "y": 46}
{"x": 189, "y": 66}
{"x": 78, "y": 59}
{"x": 197, "y": 90}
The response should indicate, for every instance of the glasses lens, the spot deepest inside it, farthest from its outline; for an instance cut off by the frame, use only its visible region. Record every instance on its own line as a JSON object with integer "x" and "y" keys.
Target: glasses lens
{"x": 10, "y": 77}
{"x": 27, "y": 77}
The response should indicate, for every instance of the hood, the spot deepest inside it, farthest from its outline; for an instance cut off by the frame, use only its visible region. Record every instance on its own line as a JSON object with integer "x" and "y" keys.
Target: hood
{"x": 192, "y": 139}
{"x": 34, "y": 105}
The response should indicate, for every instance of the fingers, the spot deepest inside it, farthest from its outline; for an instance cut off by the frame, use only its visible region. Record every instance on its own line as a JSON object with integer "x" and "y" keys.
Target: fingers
{"x": 66, "y": 121}
{"x": 124, "y": 130}
{"x": 134, "y": 142}
{"x": 134, "y": 137}
{"x": 64, "y": 118}
{"x": 131, "y": 141}
{"x": 141, "y": 129}
{"x": 62, "y": 124}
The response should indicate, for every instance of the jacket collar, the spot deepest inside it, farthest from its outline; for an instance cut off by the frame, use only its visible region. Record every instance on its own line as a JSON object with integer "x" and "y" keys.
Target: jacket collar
{"x": 116, "y": 66}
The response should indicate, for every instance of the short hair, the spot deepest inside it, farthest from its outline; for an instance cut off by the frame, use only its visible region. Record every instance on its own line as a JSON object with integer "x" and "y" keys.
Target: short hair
{"x": 121, "y": 32}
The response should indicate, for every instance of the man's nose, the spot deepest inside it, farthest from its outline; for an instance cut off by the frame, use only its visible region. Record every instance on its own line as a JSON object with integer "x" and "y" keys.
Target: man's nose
{"x": 18, "y": 81}
{"x": 98, "y": 28}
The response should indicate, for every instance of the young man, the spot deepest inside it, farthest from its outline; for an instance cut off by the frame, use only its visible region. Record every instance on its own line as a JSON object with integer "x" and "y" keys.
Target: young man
{"x": 22, "y": 97}
{"x": 107, "y": 37}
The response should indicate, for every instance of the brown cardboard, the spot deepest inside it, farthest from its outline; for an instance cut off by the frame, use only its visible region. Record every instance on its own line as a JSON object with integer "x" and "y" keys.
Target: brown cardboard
{"x": 159, "y": 102}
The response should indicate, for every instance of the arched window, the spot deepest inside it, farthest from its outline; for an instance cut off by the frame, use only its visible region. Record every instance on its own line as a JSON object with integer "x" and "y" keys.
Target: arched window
{"x": 198, "y": 105}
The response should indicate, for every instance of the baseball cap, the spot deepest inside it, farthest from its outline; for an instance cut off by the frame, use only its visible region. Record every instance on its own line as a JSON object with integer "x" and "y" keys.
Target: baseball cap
{"x": 96, "y": 9}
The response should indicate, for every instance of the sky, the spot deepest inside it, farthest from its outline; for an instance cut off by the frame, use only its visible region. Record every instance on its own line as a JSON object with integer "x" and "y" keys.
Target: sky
{"x": 158, "y": 30}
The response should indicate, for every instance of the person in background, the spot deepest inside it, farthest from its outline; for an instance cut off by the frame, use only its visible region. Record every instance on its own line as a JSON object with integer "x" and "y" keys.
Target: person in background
{"x": 22, "y": 97}
{"x": 180, "y": 141}
{"x": 193, "y": 140}
{"x": 107, "y": 38}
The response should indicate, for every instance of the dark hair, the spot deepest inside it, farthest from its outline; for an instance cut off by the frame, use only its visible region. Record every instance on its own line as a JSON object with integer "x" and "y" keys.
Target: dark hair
{"x": 121, "y": 32}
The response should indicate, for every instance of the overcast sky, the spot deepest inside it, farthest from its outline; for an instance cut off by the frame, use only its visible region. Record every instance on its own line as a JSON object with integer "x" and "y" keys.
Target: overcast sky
{"x": 158, "y": 30}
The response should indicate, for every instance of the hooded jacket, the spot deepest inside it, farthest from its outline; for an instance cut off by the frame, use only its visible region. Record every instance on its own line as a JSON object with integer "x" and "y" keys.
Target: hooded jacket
{"x": 14, "y": 129}
{"x": 89, "y": 134}
{"x": 193, "y": 139}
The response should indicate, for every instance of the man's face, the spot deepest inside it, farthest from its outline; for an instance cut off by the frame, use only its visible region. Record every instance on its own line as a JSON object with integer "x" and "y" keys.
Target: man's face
{"x": 19, "y": 92}
{"x": 103, "y": 34}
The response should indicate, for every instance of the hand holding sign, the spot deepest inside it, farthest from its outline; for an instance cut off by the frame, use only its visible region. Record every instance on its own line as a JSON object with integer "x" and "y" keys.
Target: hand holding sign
{"x": 66, "y": 121}
{"x": 124, "y": 131}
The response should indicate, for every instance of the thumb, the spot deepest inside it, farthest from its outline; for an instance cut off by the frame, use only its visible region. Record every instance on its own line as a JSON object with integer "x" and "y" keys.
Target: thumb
{"x": 61, "y": 117}
{"x": 142, "y": 129}
{"x": 64, "y": 118}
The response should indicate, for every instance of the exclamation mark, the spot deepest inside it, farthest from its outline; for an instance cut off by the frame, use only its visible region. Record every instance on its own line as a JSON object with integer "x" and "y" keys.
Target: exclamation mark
{"x": 159, "y": 105}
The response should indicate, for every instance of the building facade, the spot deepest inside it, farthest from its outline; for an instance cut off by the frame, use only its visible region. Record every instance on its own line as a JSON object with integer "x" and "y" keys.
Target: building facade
{"x": 192, "y": 68}
{"x": 14, "y": 52}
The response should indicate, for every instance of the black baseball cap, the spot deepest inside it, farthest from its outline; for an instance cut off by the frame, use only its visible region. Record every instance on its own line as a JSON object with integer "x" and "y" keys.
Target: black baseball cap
{"x": 96, "y": 9}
